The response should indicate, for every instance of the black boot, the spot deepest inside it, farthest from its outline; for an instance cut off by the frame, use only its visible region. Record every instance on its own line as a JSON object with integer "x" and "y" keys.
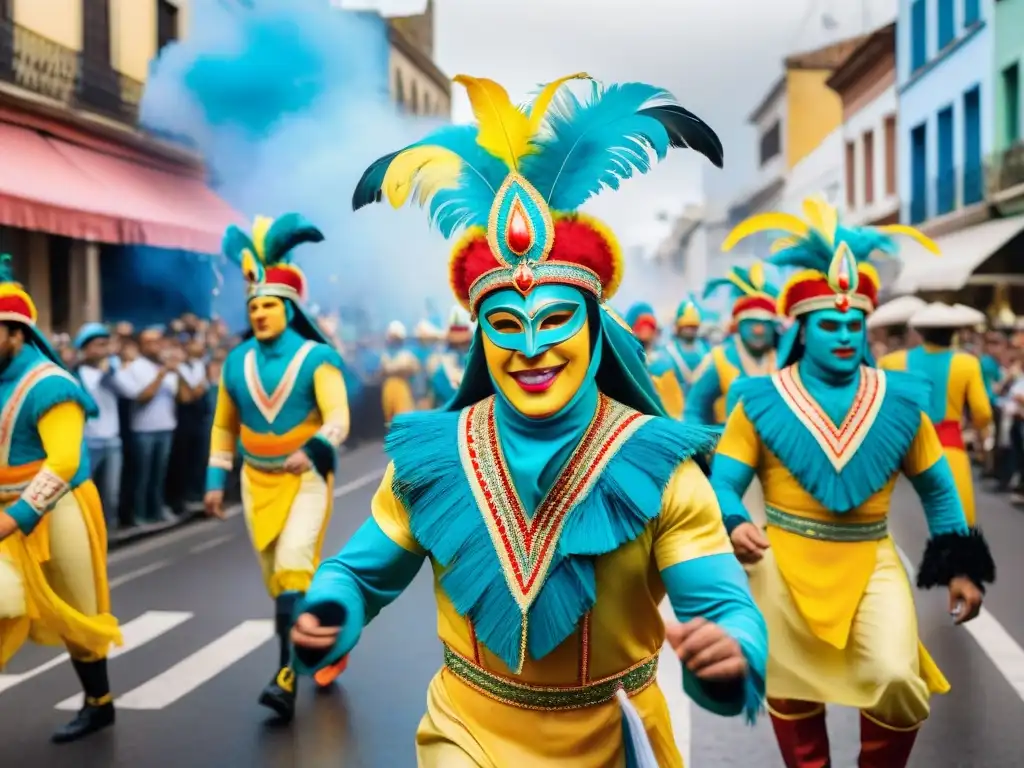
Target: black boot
{"x": 98, "y": 711}
{"x": 279, "y": 694}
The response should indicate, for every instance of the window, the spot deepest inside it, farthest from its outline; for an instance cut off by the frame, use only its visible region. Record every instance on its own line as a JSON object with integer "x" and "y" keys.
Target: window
{"x": 851, "y": 175}
{"x": 945, "y": 184}
{"x": 869, "y": 168}
{"x": 771, "y": 143}
{"x": 973, "y": 173}
{"x": 414, "y": 99}
{"x": 947, "y": 23}
{"x": 166, "y": 23}
{"x": 96, "y": 32}
{"x": 399, "y": 88}
{"x": 919, "y": 174}
{"x": 890, "y": 155}
{"x": 972, "y": 12}
{"x": 918, "y": 35}
{"x": 1011, "y": 101}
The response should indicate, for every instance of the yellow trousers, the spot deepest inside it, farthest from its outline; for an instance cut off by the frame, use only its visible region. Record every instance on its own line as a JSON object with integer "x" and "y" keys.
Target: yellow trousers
{"x": 291, "y": 554}
{"x": 883, "y": 670}
{"x": 53, "y": 583}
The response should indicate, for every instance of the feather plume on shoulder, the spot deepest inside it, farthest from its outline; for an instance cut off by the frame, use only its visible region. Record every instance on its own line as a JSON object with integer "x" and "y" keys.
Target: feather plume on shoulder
{"x": 583, "y": 147}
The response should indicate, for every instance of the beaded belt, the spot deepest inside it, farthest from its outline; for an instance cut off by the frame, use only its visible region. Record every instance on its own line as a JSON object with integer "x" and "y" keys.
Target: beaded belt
{"x": 543, "y": 697}
{"x": 830, "y": 531}
{"x": 265, "y": 465}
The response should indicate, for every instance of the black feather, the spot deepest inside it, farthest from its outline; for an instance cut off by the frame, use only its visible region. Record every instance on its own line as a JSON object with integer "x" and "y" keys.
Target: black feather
{"x": 368, "y": 189}
{"x": 686, "y": 130}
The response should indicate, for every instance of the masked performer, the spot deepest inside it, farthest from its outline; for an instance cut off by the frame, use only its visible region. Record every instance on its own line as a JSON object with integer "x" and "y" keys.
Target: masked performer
{"x": 644, "y": 324}
{"x": 686, "y": 349}
{"x": 53, "y": 536}
{"x": 283, "y": 399}
{"x": 828, "y": 435}
{"x": 399, "y": 369}
{"x": 749, "y": 350}
{"x": 555, "y": 502}
{"x": 957, "y": 386}
{"x": 448, "y": 367}
{"x": 425, "y": 348}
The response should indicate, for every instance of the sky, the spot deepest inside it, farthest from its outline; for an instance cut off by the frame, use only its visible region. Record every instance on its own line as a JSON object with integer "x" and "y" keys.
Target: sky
{"x": 718, "y": 57}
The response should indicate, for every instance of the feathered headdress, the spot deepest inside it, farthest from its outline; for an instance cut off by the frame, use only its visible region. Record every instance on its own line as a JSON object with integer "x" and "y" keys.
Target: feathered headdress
{"x": 515, "y": 181}
{"x": 641, "y": 315}
{"x": 459, "y": 319}
{"x": 689, "y": 313}
{"x": 15, "y": 303}
{"x": 754, "y": 298}
{"x": 834, "y": 265}
{"x": 265, "y": 255}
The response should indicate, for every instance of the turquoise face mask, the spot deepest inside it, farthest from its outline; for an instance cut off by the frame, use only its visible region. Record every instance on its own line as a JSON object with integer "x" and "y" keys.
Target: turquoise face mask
{"x": 545, "y": 317}
{"x": 757, "y": 335}
{"x": 834, "y": 341}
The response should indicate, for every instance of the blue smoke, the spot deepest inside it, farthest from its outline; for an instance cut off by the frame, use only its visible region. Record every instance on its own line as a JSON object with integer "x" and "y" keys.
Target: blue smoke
{"x": 287, "y": 101}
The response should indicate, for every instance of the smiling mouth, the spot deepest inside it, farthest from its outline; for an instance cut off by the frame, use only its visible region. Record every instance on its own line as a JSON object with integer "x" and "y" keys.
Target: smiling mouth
{"x": 537, "y": 379}
{"x": 843, "y": 354}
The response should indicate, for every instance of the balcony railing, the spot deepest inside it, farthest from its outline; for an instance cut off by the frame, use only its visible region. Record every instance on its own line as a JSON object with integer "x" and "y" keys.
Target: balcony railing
{"x": 44, "y": 67}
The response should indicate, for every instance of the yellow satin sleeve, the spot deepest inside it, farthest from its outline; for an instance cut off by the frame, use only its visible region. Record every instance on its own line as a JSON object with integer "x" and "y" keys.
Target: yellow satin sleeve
{"x": 671, "y": 394}
{"x": 390, "y": 514}
{"x": 226, "y": 424}
{"x": 690, "y": 523}
{"x": 60, "y": 431}
{"x": 924, "y": 451}
{"x": 740, "y": 440}
{"x": 894, "y": 361}
{"x": 969, "y": 368}
{"x": 332, "y": 400}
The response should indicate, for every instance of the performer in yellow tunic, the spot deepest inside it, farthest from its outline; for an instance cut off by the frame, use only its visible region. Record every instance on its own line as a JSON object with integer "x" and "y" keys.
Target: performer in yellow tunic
{"x": 399, "y": 367}
{"x": 686, "y": 349}
{"x": 644, "y": 325}
{"x": 958, "y": 386}
{"x": 828, "y": 435}
{"x": 53, "y": 536}
{"x": 554, "y": 500}
{"x": 283, "y": 399}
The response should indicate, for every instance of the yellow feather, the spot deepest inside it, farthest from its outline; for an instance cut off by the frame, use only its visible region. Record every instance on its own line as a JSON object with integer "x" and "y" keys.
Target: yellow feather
{"x": 784, "y": 242}
{"x": 504, "y": 128}
{"x": 540, "y": 105}
{"x": 757, "y": 275}
{"x": 426, "y": 169}
{"x": 260, "y": 227}
{"x": 765, "y": 222}
{"x": 914, "y": 234}
{"x": 740, "y": 283}
{"x": 822, "y": 217}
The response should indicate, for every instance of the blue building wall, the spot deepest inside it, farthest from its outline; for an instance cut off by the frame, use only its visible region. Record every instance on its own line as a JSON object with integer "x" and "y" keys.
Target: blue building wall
{"x": 947, "y": 172}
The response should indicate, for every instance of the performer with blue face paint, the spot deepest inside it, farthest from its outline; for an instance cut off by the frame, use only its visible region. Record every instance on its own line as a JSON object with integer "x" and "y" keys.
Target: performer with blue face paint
{"x": 554, "y": 500}
{"x": 748, "y": 351}
{"x": 448, "y": 366}
{"x": 828, "y": 436}
{"x": 642, "y": 321}
{"x": 687, "y": 349}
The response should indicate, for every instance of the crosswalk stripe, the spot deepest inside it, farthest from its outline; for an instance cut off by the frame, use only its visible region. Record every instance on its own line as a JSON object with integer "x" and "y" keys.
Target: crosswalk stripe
{"x": 139, "y": 631}
{"x": 202, "y": 666}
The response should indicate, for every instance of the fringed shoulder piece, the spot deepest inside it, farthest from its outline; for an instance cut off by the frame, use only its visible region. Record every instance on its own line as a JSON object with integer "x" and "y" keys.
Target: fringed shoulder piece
{"x": 840, "y": 466}
{"x": 450, "y": 477}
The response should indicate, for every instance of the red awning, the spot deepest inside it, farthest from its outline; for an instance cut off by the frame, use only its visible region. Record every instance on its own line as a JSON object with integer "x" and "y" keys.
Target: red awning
{"x": 62, "y": 188}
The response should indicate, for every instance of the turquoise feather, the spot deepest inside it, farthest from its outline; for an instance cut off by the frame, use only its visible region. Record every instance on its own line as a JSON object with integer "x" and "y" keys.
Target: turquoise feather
{"x": 585, "y": 147}
{"x": 6, "y": 268}
{"x": 815, "y": 251}
{"x": 879, "y": 457}
{"x": 431, "y": 483}
{"x": 286, "y": 233}
{"x": 235, "y": 243}
{"x": 735, "y": 292}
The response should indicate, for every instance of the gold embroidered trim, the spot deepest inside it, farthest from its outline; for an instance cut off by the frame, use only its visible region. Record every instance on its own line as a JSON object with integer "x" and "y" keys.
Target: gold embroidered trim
{"x": 332, "y": 433}
{"x": 45, "y": 490}
{"x": 222, "y": 460}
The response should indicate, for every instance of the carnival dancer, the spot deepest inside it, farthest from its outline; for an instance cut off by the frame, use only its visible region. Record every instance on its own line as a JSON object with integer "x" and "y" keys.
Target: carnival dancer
{"x": 828, "y": 435}
{"x": 283, "y": 400}
{"x": 53, "y": 535}
{"x": 644, "y": 324}
{"x": 687, "y": 349}
{"x": 748, "y": 351}
{"x": 425, "y": 347}
{"x": 553, "y": 498}
{"x": 399, "y": 368}
{"x": 448, "y": 366}
{"x": 957, "y": 386}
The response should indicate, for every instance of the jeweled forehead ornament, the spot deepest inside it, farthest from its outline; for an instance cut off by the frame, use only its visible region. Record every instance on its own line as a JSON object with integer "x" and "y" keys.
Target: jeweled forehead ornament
{"x": 843, "y": 277}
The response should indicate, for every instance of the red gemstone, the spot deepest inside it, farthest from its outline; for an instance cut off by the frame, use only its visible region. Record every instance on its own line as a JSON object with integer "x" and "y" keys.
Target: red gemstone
{"x": 523, "y": 277}
{"x": 517, "y": 233}
{"x": 842, "y": 303}
{"x": 844, "y": 282}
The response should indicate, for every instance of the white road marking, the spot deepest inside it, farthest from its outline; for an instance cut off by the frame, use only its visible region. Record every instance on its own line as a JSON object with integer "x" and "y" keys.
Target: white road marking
{"x": 201, "y": 667}
{"x": 215, "y": 542}
{"x": 1000, "y": 647}
{"x": 145, "y": 570}
{"x": 135, "y": 633}
{"x": 670, "y": 680}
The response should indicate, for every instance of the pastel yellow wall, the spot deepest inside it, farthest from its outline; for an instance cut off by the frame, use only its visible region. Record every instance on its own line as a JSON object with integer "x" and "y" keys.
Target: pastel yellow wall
{"x": 58, "y": 20}
{"x": 814, "y": 111}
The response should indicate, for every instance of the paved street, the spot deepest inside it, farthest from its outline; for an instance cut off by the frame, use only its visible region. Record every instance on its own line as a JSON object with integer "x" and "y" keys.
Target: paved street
{"x": 199, "y": 647}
